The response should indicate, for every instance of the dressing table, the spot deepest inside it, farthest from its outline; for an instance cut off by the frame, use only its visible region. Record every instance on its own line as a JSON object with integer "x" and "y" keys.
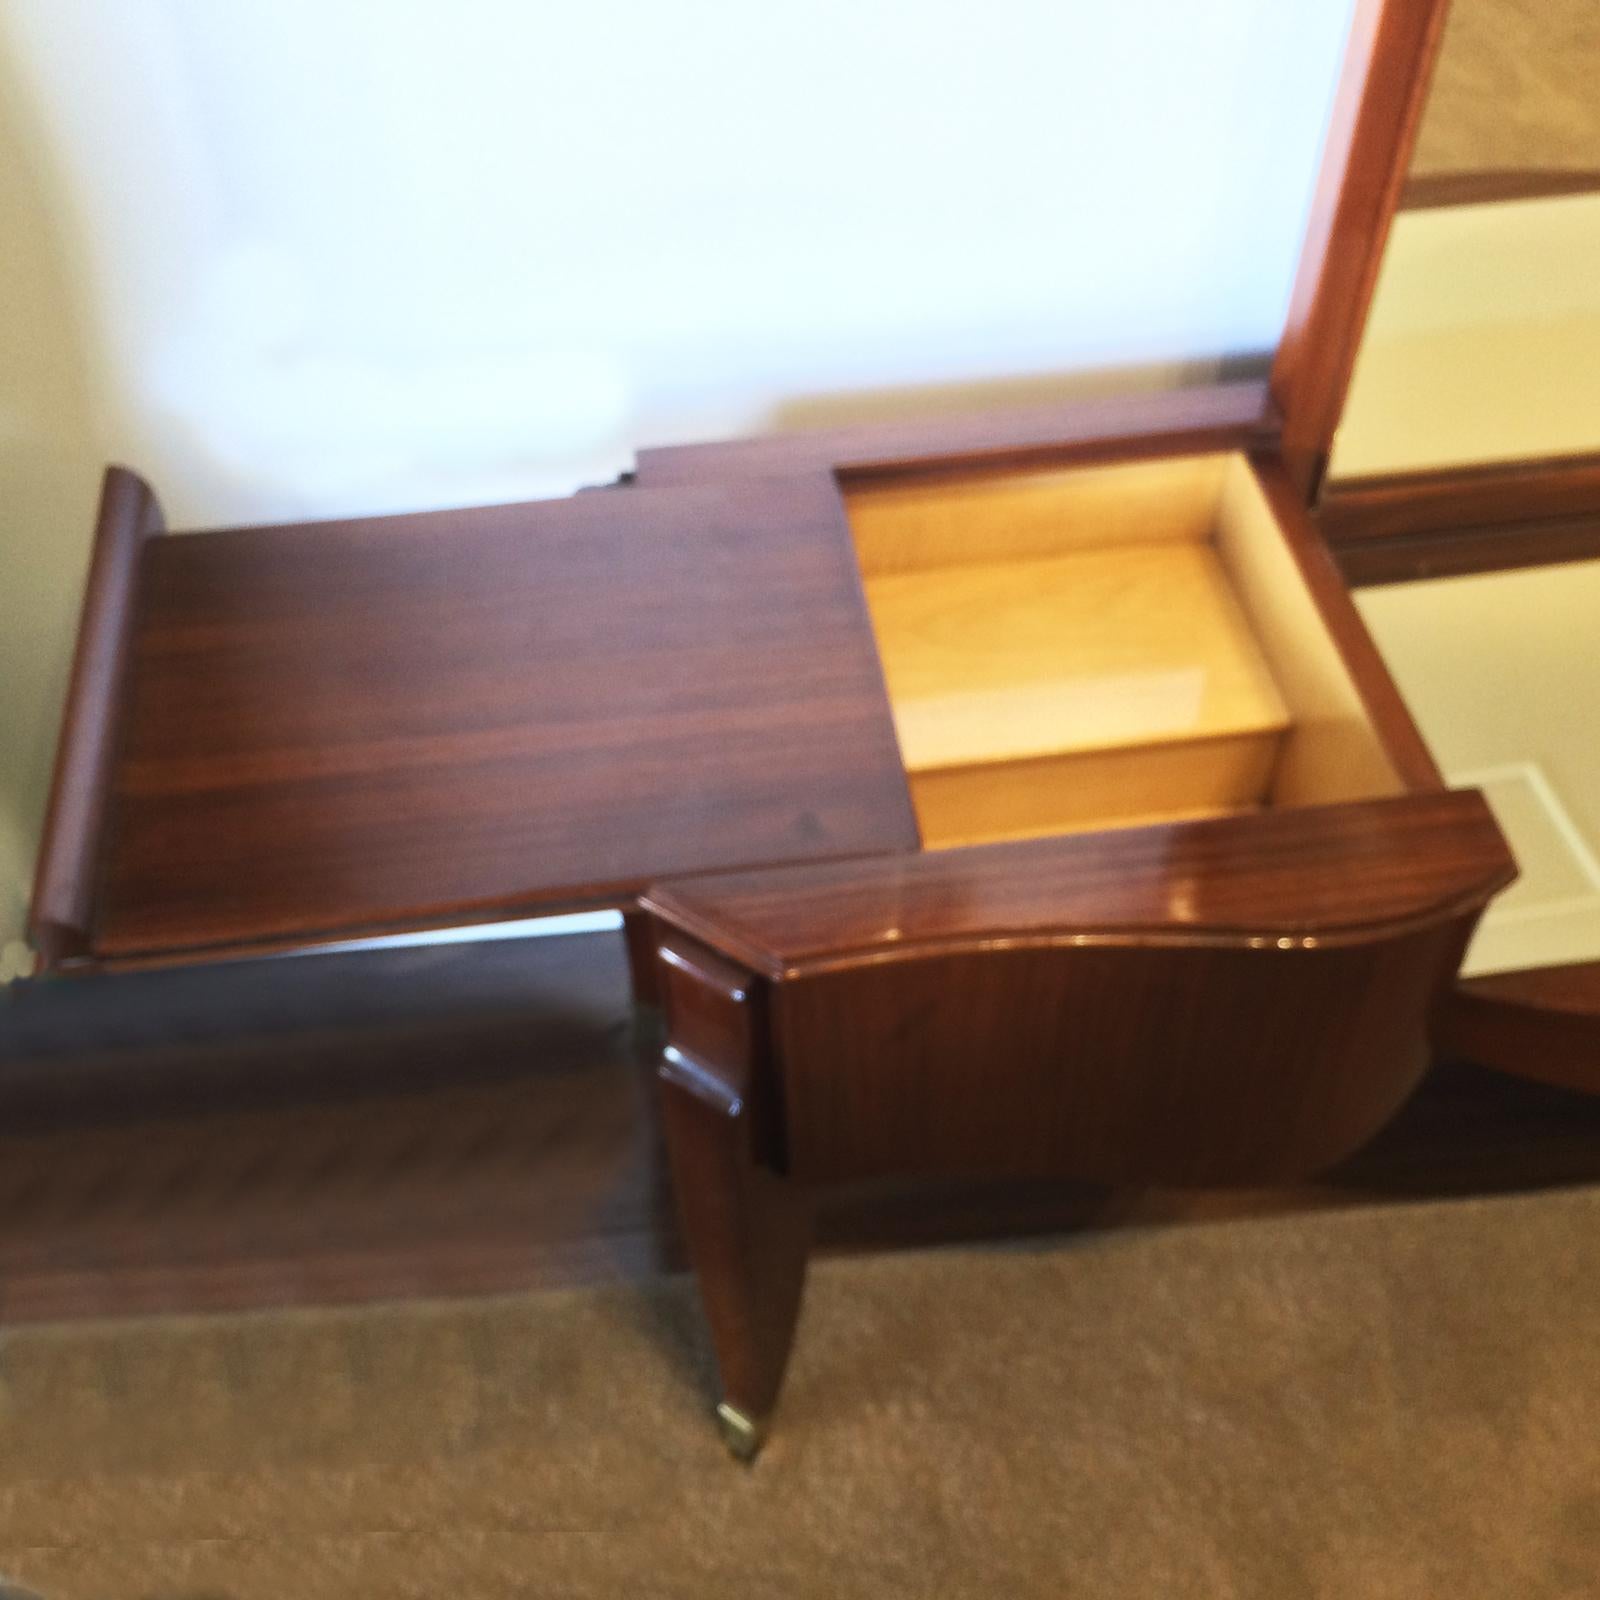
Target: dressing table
{"x": 1012, "y": 794}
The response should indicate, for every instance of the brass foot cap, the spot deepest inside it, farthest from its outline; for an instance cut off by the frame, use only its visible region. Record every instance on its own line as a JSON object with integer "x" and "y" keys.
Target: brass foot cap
{"x": 742, "y": 1435}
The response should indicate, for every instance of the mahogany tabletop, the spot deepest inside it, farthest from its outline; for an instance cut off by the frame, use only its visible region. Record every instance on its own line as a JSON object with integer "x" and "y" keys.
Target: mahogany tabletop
{"x": 448, "y": 717}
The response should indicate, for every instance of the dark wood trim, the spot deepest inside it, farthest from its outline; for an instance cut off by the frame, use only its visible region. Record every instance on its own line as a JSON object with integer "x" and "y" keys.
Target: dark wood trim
{"x": 1376, "y": 114}
{"x": 1458, "y": 552}
{"x": 1542, "y": 1024}
{"x": 1455, "y": 520}
{"x": 63, "y": 888}
{"x": 1455, "y": 499}
{"x": 1223, "y": 416}
{"x": 1428, "y": 191}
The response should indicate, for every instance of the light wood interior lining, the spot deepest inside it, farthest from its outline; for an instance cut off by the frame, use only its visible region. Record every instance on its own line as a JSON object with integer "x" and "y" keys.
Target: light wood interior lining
{"x": 1103, "y": 646}
{"x": 1332, "y": 752}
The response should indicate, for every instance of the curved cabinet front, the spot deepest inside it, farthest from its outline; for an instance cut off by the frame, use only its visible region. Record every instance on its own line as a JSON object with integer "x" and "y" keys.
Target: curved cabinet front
{"x": 1231, "y": 1001}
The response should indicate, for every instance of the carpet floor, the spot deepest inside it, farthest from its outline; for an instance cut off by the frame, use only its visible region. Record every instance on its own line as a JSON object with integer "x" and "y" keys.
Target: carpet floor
{"x": 1515, "y": 89}
{"x": 1396, "y": 1402}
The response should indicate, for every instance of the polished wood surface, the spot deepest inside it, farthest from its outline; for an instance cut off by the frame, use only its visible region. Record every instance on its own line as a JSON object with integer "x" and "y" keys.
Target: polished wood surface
{"x": 1326, "y": 874}
{"x": 63, "y": 889}
{"x": 1376, "y": 114}
{"x": 1498, "y": 494}
{"x": 445, "y": 717}
{"x": 1407, "y": 526}
{"x": 1202, "y": 1003}
{"x": 747, "y": 1227}
{"x": 1221, "y": 416}
{"x": 1152, "y": 1062}
{"x": 1450, "y": 553}
{"x": 1542, "y": 1024}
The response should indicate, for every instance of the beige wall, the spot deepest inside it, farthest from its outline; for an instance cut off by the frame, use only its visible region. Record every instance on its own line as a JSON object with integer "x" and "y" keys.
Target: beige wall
{"x": 49, "y": 468}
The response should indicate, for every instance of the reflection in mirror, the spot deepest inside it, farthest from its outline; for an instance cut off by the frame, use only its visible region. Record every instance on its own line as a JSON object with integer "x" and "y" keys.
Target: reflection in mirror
{"x": 1484, "y": 340}
{"x": 1471, "y": 442}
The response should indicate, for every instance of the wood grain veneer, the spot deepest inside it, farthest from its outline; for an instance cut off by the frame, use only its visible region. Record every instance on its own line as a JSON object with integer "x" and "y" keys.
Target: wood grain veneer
{"x": 1228, "y": 1001}
{"x": 1323, "y": 873}
{"x": 441, "y": 717}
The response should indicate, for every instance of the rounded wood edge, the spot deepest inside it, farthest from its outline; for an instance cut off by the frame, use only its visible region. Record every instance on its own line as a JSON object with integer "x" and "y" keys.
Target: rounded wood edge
{"x": 727, "y": 940}
{"x": 62, "y": 906}
{"x": 1466, "y": 893}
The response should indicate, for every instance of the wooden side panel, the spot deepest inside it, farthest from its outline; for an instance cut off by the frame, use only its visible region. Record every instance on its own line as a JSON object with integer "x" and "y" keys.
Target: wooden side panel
{"x": 1130, "y": 1065}
{"x": 64, "y": 881}
{"x": 1389, "y": 60}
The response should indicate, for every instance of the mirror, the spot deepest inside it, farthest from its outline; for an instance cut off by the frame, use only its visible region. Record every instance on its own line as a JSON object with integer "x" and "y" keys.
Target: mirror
{"x": 1483, "y": 344}
{"x": 1471, "y": 445}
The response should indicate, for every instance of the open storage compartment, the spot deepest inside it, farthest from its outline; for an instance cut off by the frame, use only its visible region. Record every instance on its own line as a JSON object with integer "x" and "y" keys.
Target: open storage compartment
{"x": 1103, "y": 646}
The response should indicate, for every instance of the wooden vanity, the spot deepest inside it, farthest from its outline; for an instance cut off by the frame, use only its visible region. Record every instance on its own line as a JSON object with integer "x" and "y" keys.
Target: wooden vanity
{"x": 1016, "y": 793}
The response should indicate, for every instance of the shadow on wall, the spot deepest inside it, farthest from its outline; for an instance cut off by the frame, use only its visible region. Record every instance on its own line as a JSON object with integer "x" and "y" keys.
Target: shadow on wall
{"x": 843, "y": 409}
{"x": 50, "y": 461}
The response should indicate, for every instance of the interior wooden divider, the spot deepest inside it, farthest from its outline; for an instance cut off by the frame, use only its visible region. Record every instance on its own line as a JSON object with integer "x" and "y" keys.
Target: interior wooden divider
{"x": 1103, "y": 646}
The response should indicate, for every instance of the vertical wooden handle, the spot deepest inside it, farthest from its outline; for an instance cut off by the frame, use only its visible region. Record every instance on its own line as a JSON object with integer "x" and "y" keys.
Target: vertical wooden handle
{"x": 58, "y": 924}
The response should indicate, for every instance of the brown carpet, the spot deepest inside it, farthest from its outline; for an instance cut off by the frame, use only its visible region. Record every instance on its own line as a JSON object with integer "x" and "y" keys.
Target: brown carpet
{"x": 1379, "y": 1403}
{"x": 1517, "y": 88}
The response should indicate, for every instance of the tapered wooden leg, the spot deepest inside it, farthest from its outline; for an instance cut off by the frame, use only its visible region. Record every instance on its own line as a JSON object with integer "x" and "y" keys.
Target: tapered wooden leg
{"x": 747, "y": 1225}
{"x": 643, "y": 973}
{"x": 748, "y": 1230}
